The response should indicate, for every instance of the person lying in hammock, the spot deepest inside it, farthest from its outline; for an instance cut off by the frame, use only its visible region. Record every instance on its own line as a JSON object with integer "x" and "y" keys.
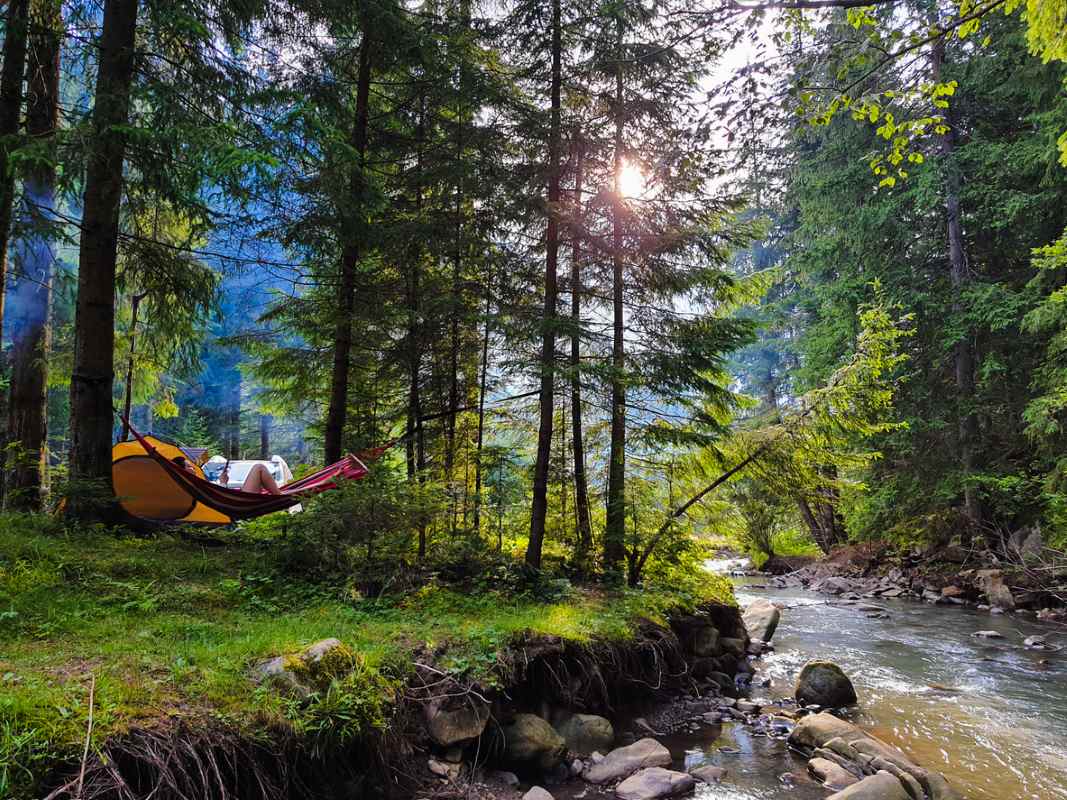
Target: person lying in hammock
{"x": 258, "y": 481}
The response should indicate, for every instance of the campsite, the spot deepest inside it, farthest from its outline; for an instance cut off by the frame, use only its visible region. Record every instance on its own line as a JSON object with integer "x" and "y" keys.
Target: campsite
{"x": 533, "y": 400}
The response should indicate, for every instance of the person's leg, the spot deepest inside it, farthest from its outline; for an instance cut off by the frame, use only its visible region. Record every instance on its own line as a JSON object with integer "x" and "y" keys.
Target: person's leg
{"x": 260, "y": 479}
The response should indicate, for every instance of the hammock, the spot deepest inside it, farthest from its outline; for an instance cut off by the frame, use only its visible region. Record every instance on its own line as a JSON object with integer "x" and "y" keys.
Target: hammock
{"x": 238, "y": 504}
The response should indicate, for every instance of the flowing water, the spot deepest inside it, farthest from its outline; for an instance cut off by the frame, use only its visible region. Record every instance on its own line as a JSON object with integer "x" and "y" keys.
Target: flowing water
{"x": 989, "y": 714}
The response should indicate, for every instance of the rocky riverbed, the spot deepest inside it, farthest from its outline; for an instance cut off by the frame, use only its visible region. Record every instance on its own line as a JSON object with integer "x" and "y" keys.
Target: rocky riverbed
{"x": 736, "y": 739}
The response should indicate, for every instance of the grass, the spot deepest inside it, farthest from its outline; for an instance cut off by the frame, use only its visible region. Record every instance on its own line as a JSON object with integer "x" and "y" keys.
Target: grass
{"x": 168, "y": 629}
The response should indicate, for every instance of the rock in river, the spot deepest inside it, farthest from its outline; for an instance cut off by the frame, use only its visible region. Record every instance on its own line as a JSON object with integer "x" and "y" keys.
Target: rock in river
{"x": 531, "y": 740}
{"x": 831, "y": 774}
{"x": 586, "y": 733}
{"x": 653, "y": 783}
{"x": 824, "y": 683}
{"x": 880, "y": 786}
{"x": 761, "y": 619}
{"x": 625, "y": 761}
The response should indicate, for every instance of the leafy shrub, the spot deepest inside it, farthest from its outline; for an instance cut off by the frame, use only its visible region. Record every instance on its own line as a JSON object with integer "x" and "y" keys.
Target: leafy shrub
{"x": 365, "y": 528}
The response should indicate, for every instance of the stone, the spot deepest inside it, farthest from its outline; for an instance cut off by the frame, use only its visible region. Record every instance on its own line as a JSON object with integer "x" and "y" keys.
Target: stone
{"x": 761, "y": 619}
{"x": 824, "y": 683}
{"x": 454, "y": 755}
{"x": 755, "y": 647}
{"x": 705, "y": 641}
{"x": 538, "y": 793}
{"x": 831, "y": 774}
{"x": 988, "y": 634}
{"x": 443, "y": 769}
{"x": 451, "y": 721}
{"x": 530, "y": 740}
{"x": 652, "y": 783}
{"x": 584, "y": 733}
{"x": 991, "y": 582}
{"x": 302, "y": 673}
{"x": 1036, "y": 642}
{"x": 880, "y": 786}
{"x": 733, "y": 647}
{"x": 835, "y": 584}
{"x": 625, "y": 761}
{"x": 815, "y": 730}
{"x": 952, "y": 591}
{"x": 506, "y": 778}
{"x": 708, "y": 773}
{"x": 748, "y": 707}
{"x": 895, "y": 592}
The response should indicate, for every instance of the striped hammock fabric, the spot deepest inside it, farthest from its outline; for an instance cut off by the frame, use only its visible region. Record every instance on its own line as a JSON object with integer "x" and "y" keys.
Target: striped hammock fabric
{"x": 238, "y": 504}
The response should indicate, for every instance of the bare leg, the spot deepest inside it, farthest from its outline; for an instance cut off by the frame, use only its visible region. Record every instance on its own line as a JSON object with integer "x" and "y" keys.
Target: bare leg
{"x": 260, "y": 479}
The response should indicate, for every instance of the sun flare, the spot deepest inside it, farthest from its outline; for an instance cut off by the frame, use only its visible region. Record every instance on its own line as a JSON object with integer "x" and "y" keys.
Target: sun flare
{"x": 631, "y": 180}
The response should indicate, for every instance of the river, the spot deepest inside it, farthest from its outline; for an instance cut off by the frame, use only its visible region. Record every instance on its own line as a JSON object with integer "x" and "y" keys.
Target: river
{"x": 988, "y": 714}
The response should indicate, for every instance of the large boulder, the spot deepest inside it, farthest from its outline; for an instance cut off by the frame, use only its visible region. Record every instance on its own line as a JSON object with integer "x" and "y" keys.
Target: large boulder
{"x": 624, "y": 761}
{"x": 823, "y": 683}
{"x": 991, "y": 582}
{"x": 653, "y": 783}
{"x": 831, "y": 774}
{"x": 880, "y": 786}
{"x": 815, "y": 730}
{"x": 530, "y": 740}
{"x": 450, "y": 721}
{"x": 761, "y": 619}
{"x": 705, "y": 641}
{"x": 586, "y": 733}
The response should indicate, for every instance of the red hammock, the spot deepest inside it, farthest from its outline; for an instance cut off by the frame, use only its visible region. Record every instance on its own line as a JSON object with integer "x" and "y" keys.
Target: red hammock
{"x": 238, "y": 504}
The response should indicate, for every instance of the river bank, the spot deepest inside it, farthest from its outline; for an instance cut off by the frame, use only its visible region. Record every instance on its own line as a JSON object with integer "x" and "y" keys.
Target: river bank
{"x": 132, "y": 665}
{"x": 947, "y": 575}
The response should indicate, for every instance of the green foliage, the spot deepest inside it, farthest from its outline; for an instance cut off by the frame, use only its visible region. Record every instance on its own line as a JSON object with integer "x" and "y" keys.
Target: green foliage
{"x": 367, "y": 527}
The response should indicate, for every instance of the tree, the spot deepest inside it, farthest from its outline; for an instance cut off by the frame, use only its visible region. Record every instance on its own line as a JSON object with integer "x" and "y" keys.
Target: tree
{"x": 16, "y": 24}
{"x": 94, "y": 372}
{"x": 539, "y": 508}
{"x": 32, "y": 292}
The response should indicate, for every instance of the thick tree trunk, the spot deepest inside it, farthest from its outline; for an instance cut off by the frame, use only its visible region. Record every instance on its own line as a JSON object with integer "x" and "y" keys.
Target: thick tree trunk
{"x": 539, "y": 509}
{"x": 581, "y": 484}
{"x": 15, "y": 30}
{"x": 615, "y": 528}
{"x": 482, "y": 383}
{"x": 93, "y": 375}
{"x": 31, "y": 332}
{"x": 960, "y": 276}
{"x": 337, "y": 413}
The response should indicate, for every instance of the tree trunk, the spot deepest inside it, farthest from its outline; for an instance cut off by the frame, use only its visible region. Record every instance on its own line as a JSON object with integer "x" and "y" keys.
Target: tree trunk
{"x": 346, "y": 293}
{"x": 960, "y": 276}
{"x": 17, "y": 20}
{"x": 265, "y": 421}
{"x": 482, "y": 381}
{"x": 93, "y": 375}
{"x": 31, "y": 332}
{"x": 127, "y": 405}
{"x": 415, "y": 437}
{"x": 615, "y": 528}
{"x": 581, "y": 484}
{"x": 539, "y": 508}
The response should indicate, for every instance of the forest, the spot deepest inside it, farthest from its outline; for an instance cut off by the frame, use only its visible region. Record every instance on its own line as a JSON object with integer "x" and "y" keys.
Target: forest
{"x": 535, "y": 307}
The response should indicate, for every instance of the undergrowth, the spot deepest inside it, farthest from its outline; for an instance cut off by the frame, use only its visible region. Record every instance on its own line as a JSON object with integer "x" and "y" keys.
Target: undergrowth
{"x": 165, "y": 629}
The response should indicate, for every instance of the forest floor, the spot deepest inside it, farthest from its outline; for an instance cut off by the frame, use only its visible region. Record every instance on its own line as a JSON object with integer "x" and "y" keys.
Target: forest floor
{"x": 163, "y": 628}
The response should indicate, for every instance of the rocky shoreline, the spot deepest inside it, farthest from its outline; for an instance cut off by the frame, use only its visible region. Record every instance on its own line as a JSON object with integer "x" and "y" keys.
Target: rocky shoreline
{"x": 581, "y": 761}
{"x": 947, "y": 576}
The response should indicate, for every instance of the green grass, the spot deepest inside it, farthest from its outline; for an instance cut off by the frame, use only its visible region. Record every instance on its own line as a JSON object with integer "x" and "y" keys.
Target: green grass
{"x": 169, "y": 629}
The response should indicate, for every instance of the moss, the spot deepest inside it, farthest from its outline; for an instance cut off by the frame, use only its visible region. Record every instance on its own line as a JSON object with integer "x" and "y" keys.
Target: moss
{"x": 166, "y": 628}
